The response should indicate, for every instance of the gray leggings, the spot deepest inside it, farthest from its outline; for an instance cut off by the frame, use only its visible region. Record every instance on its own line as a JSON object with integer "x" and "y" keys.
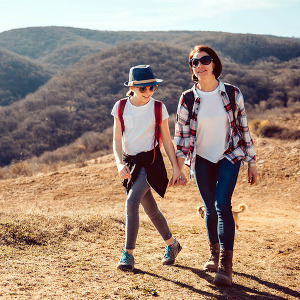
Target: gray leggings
{"x": 140, "y": 192}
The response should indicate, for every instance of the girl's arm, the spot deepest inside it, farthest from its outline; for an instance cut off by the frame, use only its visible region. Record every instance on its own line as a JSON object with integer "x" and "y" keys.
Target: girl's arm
{"x": 123, "y": 170}
{"x": 170, "y": 150}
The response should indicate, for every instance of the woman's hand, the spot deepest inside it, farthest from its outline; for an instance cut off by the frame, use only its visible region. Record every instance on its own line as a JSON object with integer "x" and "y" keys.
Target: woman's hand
{"x": 124, "y": 171}
{"x": 178, "y": 177}
{"x": 252, "y": 174}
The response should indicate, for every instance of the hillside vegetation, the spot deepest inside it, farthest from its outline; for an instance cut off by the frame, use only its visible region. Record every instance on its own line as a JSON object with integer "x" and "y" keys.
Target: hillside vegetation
{"x": 38, "y": 42}
{"x": 19, "y": 76}
{"x": 79, "y": 98}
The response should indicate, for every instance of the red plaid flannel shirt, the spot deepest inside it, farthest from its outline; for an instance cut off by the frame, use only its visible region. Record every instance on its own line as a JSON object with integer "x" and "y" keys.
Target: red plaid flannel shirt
{"x": 239, "y": 144}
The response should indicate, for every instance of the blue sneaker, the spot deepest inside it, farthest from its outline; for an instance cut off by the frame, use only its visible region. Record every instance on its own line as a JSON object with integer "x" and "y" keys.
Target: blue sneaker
{"x": 170, "y": 253}
{"x": 126, "y": 262}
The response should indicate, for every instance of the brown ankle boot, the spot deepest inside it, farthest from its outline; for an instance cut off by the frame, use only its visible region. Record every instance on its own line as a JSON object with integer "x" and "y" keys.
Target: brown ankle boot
{"x": 213, "y": 261}
{"x": 224, "y": 274}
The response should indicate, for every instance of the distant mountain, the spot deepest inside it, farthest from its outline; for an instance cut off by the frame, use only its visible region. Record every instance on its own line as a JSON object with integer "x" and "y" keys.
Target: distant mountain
{"x": 33, "y": 55}
{"x": 68, "y": 55}
{"x": 38, "y": 42}
{"x": 19, "y": 77}
{"x": 245, "y": 48}
{"x": 56, "y": 48}
{"x": 88, "y": 69}
{"x": 80, "y": 99}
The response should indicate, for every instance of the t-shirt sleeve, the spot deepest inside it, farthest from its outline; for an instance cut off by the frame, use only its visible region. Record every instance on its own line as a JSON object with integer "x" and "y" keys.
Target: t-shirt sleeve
{"x": 165, "y": 114}
{"x": 114, "y": 111}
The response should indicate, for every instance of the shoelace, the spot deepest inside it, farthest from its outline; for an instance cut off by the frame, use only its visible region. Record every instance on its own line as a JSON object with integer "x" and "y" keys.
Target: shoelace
{"x": 168, "y": 251}
{"x": 125, "y": 257}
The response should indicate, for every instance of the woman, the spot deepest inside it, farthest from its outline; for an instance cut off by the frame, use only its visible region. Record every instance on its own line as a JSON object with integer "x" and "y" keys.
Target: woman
{"x": 141, "y": 165}
{"x": 213, "y": 139}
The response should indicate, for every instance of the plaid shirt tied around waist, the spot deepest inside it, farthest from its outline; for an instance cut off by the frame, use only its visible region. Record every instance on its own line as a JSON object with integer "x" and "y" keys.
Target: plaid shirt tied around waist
{"x": 239, "y": 142}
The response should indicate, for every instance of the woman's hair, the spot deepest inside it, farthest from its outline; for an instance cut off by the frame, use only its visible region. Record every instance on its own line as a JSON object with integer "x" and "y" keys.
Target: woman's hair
{"x": 212, "y": 53}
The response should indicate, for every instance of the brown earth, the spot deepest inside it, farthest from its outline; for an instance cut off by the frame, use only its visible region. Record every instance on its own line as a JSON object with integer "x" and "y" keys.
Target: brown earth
{"x": 61, "y": 234}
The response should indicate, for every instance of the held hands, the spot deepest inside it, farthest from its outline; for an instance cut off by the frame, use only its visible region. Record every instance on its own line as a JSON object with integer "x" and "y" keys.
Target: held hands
{"x": 178, "y": 178}
{"x": 124, "y": 171}
{"x": 181, "y": 180}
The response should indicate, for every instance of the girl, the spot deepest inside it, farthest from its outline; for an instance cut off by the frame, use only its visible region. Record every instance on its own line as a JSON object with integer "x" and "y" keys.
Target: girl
{"x": 213, "y": 138}
{"x": 139, "y": 160}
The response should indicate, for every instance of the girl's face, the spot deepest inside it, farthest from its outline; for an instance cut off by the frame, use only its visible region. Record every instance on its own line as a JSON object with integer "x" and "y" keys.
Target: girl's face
{"x": 203, "y": 71}
{"x": 143, "y": 93}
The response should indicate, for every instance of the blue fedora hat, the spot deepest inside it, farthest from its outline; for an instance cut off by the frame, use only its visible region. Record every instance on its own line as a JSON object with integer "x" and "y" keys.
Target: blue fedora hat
{"x": 142, "y": 75}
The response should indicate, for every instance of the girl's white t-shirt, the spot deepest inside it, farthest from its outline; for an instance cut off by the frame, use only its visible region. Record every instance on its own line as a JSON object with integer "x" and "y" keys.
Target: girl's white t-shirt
{"x": 139, "y": 122}
{"x": 213, "y": 126}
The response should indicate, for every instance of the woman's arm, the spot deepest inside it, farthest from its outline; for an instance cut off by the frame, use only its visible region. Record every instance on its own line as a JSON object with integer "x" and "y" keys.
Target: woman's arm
{"x": 182, "y": 129}
{"x": 123, "y": 170}
{"x": 249, "y": 145}
{"x": 180, "y": 162}
{"x": 170, "y": 150}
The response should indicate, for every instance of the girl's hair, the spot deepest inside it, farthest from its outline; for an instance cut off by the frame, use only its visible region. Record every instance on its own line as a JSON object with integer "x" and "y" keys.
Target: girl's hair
{"x": 212, "y": 53}
{"x": 130, "y": 93}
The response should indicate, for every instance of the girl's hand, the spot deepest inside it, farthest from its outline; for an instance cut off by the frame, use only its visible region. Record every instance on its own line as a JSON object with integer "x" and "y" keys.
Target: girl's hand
{"x": 181, "y": 180}
{"x": 175, "y": 175}
{"x": 124, "y": 171}
{"x": 178, "y": 179}
{"x": 252, "y": 174}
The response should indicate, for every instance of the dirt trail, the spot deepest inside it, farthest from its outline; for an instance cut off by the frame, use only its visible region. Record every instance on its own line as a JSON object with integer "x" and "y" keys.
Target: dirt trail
{"x": 80, "y": 211}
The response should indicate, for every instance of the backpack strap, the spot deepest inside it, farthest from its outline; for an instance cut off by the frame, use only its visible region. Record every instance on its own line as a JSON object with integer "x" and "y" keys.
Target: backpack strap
{"x": 189, "y": 100}
{"x": 120, "y": 113}
{"x": 230, "y": 90}
{"x": 158, "y": 120}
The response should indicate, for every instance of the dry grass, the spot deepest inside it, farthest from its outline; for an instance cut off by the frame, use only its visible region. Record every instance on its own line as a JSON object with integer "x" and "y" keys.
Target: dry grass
{"x": 61, "y": 234}
{"x": 89, "y": 146}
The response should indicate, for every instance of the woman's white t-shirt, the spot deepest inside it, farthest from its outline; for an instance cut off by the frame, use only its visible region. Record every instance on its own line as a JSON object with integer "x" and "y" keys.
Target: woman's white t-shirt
{"x": 139, "y": 122}
{"x": 213, "y": 126}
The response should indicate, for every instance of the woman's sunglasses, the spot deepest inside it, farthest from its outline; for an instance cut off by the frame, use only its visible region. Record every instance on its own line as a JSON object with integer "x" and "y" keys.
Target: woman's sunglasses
{"x": 204, "y": 60}
{"x": 143, "y": 89}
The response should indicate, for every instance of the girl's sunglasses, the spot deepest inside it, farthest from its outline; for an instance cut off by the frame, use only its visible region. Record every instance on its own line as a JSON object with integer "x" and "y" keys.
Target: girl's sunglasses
{"x": 143, "y": 89}
{"x": 204, "y": 60}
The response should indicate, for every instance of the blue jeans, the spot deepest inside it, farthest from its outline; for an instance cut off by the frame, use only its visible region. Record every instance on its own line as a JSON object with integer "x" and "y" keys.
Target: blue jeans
{"x": 216, "y": 183}
{"x": 140, "y": 192}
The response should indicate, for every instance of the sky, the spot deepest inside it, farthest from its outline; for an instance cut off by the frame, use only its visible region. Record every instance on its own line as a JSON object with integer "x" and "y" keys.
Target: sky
{"x": 274, "y": 17}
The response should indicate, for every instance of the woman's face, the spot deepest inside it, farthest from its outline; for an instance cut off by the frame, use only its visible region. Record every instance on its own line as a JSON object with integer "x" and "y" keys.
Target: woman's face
{"x": 203, "y": 71}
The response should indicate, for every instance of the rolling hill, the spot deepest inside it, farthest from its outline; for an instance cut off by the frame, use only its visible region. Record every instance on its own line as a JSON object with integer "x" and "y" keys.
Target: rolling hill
{"x": 38, "y": 42}
{"x": 19, "y": 76}
{"x": 80, "y": 99}
{"x": 94, "y": 64}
